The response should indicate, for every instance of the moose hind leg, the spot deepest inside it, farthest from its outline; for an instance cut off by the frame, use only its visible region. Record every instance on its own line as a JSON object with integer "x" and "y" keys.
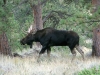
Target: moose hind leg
{"x": 74, "y": 54}
{"x": 48, "y": 51}
{"x": 80, "y": 51}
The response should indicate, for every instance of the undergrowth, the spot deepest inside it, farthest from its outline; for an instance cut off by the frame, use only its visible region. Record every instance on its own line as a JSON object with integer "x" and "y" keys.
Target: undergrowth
{"x": 92, "y": 71}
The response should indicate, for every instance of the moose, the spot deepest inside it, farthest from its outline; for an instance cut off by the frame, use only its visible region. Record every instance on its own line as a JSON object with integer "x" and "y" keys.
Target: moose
{"x": 49, "y": 37}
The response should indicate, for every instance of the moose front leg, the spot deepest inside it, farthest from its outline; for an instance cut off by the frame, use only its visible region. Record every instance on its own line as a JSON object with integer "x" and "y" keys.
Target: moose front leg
{"x": 74, "y": 54}
{"x": 42, "y": 51}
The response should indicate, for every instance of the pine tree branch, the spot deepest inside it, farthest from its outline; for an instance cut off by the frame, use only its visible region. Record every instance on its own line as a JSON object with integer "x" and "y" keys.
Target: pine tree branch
{"x": 44, "y": 1}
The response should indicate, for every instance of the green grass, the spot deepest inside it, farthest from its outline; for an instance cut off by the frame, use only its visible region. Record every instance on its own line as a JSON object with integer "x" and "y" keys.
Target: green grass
{"x": 92, "y": 71}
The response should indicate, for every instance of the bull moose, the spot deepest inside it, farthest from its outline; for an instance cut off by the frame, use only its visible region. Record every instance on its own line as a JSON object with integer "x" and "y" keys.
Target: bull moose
{"x": 49, "y": 37}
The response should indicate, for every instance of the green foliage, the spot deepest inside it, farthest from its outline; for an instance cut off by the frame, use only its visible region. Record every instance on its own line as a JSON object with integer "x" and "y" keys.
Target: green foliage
{"x": 92, "y": 71}
{"x": 77, "y": 18}
{"x": 11, "y": 25}
{"x": 17, "y": 16}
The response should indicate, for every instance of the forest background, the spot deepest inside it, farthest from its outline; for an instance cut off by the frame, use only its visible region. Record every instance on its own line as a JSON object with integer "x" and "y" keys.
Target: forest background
{"x": 16, "y": 16}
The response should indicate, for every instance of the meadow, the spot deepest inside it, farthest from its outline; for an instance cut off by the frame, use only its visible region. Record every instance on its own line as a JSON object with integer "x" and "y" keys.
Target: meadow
{"x": 58, "y": 64}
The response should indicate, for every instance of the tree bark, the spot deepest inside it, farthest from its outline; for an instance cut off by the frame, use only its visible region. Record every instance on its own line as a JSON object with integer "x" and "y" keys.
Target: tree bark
{"x": 96, "y": 42}
{"x": 37, "y": 17}
{"x": 37, "y": 13}
{"x": 95, "y": 5}
{"x": 38, "y": 22}
{"x": 4, "y": 45}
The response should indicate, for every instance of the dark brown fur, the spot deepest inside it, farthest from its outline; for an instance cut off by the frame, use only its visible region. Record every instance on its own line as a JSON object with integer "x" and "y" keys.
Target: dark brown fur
{"x": 49, "y": 37}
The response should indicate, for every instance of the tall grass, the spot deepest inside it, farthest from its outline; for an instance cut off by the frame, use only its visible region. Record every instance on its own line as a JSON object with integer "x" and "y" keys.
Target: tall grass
{"x": 92, "y": 71}
{"x": 58, "y": 64}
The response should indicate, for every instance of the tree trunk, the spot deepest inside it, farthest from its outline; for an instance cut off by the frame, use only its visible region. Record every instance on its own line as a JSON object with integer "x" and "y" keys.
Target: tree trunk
{"x": 38, "y": 22}
{"x": 37, "y": 13}
{"x": 95, "y": 5}
{"x": 96, "y": 42}
{"x": 4, "y": 45}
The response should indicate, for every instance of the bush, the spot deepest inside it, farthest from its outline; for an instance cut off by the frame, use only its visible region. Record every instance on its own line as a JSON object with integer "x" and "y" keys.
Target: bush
{"x": 92, "y": 71}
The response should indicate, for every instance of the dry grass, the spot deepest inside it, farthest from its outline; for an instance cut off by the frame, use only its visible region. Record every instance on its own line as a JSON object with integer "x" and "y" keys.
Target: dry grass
{"x": 58, "y": 64}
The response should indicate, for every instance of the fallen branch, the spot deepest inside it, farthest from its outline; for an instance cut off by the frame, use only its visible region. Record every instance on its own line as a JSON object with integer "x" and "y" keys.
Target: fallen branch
{"x": 47, "y": 16}
{"x": 62, "y": 14}
{"x": 90, "y": 21}
{"x": 43, "y": 2}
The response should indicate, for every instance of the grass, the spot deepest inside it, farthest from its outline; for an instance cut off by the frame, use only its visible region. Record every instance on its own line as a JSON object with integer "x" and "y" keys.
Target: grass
{"x": 58, "y": 64}
{"x": 92, "y": 71}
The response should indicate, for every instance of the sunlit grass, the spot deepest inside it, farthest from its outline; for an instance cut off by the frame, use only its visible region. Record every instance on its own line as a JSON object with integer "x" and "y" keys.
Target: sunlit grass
{"x": 58, "y": 64}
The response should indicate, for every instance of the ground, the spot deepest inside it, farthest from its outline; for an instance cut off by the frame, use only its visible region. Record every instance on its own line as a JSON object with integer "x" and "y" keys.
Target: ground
{"x": 58, "y": 64}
